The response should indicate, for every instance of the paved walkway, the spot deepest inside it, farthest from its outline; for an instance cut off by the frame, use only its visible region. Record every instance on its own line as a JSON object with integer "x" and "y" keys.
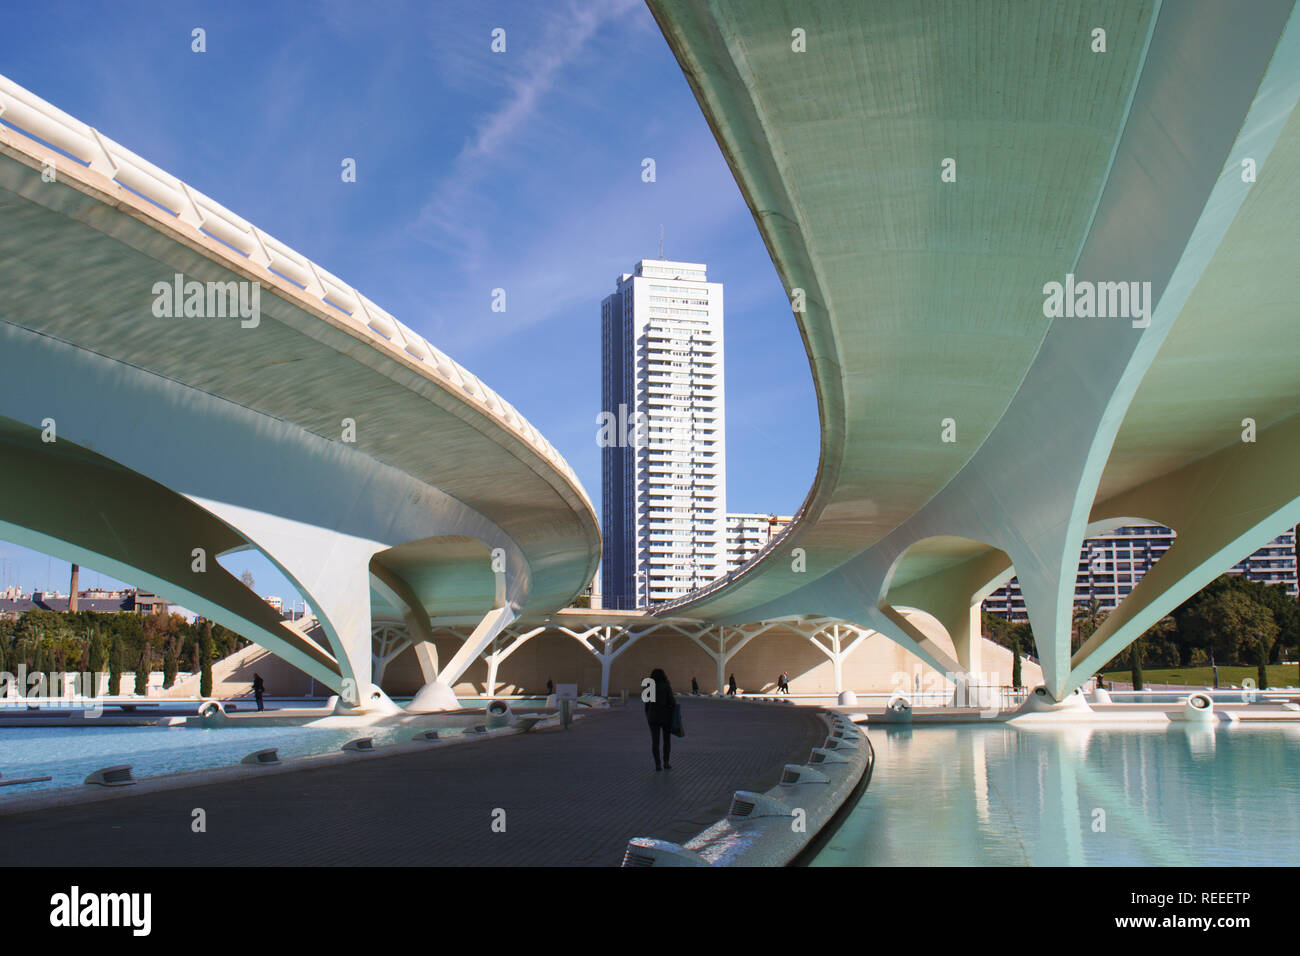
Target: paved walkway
{"x": 570, "y": 797}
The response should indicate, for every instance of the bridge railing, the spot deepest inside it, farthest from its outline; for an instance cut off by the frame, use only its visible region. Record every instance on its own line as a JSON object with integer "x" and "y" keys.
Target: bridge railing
{"x": 730, "y": 577}
{"x": 28, "y": 113}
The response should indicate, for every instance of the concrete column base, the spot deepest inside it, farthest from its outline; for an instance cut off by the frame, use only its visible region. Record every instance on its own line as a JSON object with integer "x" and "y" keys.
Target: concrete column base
{"x": 1042, "y": 702}
{"x": 373, "y": 702}
{"x": 433, "y": 697}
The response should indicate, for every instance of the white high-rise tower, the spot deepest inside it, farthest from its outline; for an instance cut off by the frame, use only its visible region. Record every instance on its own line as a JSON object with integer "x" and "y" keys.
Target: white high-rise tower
{"x": 665, "y": 475}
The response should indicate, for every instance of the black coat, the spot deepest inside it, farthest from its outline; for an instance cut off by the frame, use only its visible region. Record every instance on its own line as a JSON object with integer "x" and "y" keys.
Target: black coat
{"x": 660, "y": 711}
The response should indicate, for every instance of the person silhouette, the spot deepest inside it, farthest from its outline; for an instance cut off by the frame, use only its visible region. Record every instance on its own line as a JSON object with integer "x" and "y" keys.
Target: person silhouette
{"x": 659, "y": 715}
{"x": 259, "y": 687}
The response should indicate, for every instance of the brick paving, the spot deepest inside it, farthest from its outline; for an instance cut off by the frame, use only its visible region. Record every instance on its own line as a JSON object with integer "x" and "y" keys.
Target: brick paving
{"x": 571, "y": 798}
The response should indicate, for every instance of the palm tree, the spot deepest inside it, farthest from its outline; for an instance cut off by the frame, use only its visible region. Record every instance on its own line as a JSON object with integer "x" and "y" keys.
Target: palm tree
{"x": 1087, "y": 618}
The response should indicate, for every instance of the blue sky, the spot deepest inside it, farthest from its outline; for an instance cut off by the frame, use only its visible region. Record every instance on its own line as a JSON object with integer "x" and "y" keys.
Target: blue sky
{"x": 475, "y": 170}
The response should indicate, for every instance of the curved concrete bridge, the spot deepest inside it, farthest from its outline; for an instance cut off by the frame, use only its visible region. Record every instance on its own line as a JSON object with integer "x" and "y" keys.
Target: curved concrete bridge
{"x": 1044, "y": 277}
{"x": 1042, "y": 274}
{"x": 178, "y": 385}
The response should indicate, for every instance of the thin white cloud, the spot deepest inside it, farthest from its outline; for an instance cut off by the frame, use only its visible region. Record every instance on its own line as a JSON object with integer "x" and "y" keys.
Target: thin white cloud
{"x": 565, "y": 35}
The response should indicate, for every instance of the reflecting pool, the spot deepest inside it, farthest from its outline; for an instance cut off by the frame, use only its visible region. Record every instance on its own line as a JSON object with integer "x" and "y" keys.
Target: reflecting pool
{"x": 979, "y": 795}
{"x": 68, "y": 754}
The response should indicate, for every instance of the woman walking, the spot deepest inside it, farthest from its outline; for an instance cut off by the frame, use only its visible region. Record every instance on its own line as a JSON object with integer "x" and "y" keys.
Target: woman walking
{"x": 659, "y": 715}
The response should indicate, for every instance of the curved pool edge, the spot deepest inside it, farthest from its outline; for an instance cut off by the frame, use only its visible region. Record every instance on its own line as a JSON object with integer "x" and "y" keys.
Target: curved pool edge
{"x": 762, "y": 833}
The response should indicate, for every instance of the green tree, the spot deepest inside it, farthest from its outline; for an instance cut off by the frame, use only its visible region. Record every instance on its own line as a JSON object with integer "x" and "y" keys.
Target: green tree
{"x": 1087, "y": 618}
{"x": 996, "y": 628}
{"x": 1135, "y": 651}
{"x": 169, "y": 665}
{"x": 142, "y": 672}
{"x": 1260, "y": 646}
{"x": 1286, "y": 615}
{"x": 1023, "y": 634}
{"x": 41, "y": 623}
{"x": 1230, "y": 615}
{"x": 114, "y": 667}
{"x": 205, "y": 661}
{"x": 97, "y": 659}
{"x": 1159, "y": 643}
{"x": 1228, "y": 621}
{"x": 1017, "y": 680}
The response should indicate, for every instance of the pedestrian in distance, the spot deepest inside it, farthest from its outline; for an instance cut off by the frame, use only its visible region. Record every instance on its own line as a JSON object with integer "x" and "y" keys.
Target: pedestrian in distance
{"x": 659, "y": 704}
{"x": 731, "y": 686}
{"x": 259, "y": 688}
{"x": 695, "y": 686}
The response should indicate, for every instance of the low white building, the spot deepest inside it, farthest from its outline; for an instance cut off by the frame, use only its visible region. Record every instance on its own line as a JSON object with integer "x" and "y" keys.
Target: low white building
{"x": 747, "y": 534}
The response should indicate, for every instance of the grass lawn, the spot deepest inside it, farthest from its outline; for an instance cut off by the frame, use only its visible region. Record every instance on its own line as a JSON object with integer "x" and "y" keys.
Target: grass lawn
{"x": 1279, "y": 675}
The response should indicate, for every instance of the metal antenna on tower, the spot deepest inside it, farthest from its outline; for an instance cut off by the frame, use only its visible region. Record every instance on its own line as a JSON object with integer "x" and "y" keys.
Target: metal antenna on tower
{"x": 661, "y": 241}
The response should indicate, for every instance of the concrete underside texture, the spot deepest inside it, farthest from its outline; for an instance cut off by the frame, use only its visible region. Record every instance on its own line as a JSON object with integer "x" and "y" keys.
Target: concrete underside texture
{"x": 378, "y": 475}
{"x": 921, "y": 302}
{"x": 571, "y": 798}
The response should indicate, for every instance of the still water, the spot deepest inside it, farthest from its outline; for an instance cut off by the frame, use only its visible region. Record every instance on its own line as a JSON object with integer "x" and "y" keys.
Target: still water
{"x": 68, "y": 754}
{"x": 1074, "y": 795}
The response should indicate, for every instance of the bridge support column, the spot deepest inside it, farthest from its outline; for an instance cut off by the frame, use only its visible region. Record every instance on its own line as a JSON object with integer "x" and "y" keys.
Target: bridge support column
{"x": 954, "y": 597}
{"x": 65, "y": 500}
{"x": 729, "y": 641}
{"x": 437, "y": 695}
{"x": 603, "y": 643}
{"x": 1223, "y": 507}
{"x": 387, "y": 642}
{"x": 839, "y": 651}
{"x": 417, "y": 629}
{"x": 333, "y": 570}
{"x": 426, "y": 655}
{"x": 490, "y": 685}
{"x": 892, "y": 623}
{"x": 502, "y": 647}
